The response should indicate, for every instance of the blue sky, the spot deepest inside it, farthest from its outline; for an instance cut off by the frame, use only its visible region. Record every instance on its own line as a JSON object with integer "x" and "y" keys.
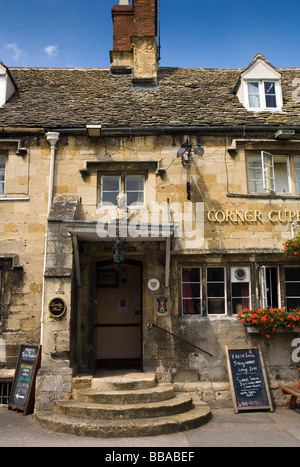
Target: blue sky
{"x": 194, "y": 33}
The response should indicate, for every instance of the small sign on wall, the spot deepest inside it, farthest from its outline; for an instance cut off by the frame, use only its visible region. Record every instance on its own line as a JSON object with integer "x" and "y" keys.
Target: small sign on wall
{"x": 162, "y": 304}
{"x": 153, "y": 284}
{"x": 57, "y": 307}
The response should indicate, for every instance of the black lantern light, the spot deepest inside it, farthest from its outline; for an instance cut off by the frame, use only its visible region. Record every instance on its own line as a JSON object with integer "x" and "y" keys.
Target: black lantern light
{"x": 118, "y": 251}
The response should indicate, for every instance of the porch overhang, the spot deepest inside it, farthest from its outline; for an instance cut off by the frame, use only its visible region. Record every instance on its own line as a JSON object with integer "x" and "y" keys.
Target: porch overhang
{"x": 95, "y": 231}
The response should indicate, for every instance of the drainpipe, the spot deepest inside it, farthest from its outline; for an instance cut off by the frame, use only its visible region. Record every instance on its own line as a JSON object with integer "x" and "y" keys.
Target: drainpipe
{"x": 52, "y": 137}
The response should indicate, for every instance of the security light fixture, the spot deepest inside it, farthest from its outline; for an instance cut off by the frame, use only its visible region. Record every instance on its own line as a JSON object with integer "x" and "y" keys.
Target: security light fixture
{"x": 186, "y": 150}
{"x": 94, "y": 131}
{"x": 284, "y": 134}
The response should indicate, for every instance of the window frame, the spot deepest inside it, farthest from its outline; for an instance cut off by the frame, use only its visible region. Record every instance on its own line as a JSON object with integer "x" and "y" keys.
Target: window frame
{"x": 297, "y": 173}
{"x": 248, "y": 281}
{"x": 122, "y": 189}
{"x": 3, "y": 170}
{"x": 192, "y": 297}
{"x": 268, "y": 181}
{"x": 263, "y": 283}
{"x": 262, "y": 95}
{"x": 133, "y": 205}
{"x": 285, "y": 282}
{"x": 216, "y": 298}
{"x": 103, "y": 177}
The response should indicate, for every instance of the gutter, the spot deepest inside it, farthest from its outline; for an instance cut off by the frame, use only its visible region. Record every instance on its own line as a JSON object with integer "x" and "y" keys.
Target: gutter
{"x": 164, "y": 130}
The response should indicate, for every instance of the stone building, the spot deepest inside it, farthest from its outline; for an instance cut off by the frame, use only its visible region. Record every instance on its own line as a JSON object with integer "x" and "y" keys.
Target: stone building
{"x": 141, "y": 196}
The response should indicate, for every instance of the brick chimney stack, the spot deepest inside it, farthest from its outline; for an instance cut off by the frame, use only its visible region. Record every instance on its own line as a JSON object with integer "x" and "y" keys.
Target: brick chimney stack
{"x": 134, "y": 40}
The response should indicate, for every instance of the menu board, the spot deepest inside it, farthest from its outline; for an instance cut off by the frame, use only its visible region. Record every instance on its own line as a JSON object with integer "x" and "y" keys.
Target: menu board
{"x": 22, "y": 393}
{"x": 248, "y": 379}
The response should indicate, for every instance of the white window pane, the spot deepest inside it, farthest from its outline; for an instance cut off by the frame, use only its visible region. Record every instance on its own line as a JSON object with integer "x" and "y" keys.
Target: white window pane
{"x": 281, "y": 178}
{"x": 135, "y": 198}
{"x": 134, "y": 183}
{"x": 270, "y": 94}
{"x": 111, "y": 183}
{"x": 134, "y": 187}
{"x": 255, "y": 176}
{"x": 110, "y": 190}
{"x": 253, "y": 94}
{"x": 110, "y": 197}
{"x": 297, "y": 173}
{"x": 268, "y": 171}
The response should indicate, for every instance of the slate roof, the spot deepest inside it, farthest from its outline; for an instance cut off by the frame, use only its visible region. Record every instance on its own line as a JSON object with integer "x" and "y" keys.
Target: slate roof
{"x": 73, "y": 98}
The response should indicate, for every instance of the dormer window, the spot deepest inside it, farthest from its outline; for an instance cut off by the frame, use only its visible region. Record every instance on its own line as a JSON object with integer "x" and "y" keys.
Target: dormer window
{"x": 7, "y": 85}
{"x": 263, "y": 95}
{"x": 259, "y": 87}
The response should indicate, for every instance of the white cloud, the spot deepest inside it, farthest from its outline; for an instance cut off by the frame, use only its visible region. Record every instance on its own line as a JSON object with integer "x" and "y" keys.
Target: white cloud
{"x": 18, "y": 53}
{"x": 51, "y": 50}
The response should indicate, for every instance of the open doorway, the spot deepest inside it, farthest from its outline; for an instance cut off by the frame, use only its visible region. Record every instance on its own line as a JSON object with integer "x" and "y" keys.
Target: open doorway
{"x": 118, "y": 315}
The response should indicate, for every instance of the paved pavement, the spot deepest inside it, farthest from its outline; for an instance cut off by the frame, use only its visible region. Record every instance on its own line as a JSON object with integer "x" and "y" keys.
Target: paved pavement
{"x": 226, "y": 429}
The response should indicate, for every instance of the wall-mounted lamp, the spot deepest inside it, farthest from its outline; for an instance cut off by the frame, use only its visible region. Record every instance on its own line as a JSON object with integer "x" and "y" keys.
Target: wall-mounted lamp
{"x": 21, "y": 150}
{"x": 186, "y": 150}
{"x": 94, "y": 131}
{"x": 118, "y": 252}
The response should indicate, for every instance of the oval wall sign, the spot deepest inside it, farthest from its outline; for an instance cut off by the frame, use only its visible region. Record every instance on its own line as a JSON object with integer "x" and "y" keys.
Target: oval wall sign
{"x": 153, "y": 284}
{"x": 57, "y": 307}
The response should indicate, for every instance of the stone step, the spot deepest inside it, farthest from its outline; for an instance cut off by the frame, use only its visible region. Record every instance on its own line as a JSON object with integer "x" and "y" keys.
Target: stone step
{"x": 125, "y": 382}
{"x": 124, "y": 428}
{"x": 123, "y": 405}
{"x": 76, "y": 408}
{"x": 98, "y": 396}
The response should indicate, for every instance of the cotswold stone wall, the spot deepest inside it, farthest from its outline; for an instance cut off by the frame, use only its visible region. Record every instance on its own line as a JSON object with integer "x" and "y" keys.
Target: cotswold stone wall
{"x": 233, "y": 227}
{"x": 22, "y": 239}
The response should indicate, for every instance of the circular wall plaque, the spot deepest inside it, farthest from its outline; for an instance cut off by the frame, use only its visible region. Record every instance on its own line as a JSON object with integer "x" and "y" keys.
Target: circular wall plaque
{"x": 153, "y": 284}
{"x": 57, "y": 307}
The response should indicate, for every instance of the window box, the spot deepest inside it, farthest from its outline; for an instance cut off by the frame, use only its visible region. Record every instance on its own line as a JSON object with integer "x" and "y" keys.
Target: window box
{"x": 269, "y": 321}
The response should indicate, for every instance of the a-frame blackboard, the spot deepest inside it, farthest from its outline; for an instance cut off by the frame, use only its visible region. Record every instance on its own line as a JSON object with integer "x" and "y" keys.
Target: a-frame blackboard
{"x": 22, "y": 392}
{"x": 248, "y": 379}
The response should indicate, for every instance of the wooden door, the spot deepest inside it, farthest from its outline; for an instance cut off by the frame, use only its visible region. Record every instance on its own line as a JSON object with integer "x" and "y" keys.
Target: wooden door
{"x": 119, "y": 316}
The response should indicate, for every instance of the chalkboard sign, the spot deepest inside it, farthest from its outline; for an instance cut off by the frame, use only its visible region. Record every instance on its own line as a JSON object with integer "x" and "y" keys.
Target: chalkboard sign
{"x": 22, "y": 392}
{"x": 248, "y": 379}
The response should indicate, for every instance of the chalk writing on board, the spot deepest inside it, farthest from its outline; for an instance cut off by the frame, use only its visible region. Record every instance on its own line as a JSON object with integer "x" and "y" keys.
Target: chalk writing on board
{"x": 23, "y": 385}
{"x": 248, "y": 378}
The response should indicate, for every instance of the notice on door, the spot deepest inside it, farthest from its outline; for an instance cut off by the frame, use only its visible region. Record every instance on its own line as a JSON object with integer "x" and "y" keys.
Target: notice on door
{"x": 123, "y": 306}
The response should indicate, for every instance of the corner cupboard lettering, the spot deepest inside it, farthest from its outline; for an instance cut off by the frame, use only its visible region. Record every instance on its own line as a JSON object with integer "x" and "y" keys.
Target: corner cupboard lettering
{"x": 253, "y": 216}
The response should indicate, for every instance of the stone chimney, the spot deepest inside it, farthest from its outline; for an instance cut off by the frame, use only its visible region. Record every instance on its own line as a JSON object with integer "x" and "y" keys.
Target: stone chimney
{"x": 134, "y": 40}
